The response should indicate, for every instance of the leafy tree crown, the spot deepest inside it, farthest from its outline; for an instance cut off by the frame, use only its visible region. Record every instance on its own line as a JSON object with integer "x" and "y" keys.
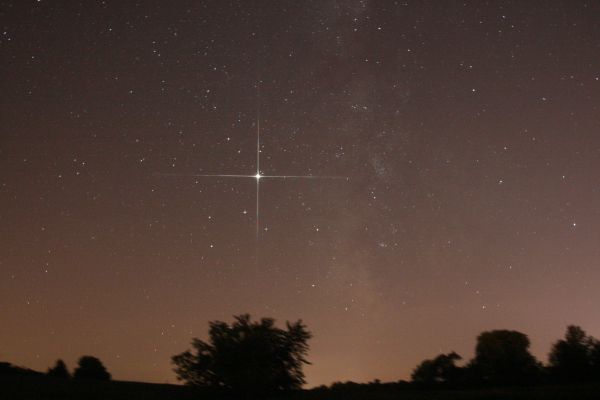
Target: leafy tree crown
{"x": 247, "y": 356}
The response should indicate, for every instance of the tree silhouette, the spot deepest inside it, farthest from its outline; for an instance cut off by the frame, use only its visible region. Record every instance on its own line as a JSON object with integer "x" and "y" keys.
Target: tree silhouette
{"x": 59, "y": 370}
{"x": 595, "y": 359}
{"x": 573, "y": 358}
{"x": 502, "y": 357}
{"x": 91, "y": 368}
{"x": 249, "y": 357}
{"x": 440, "y": 370}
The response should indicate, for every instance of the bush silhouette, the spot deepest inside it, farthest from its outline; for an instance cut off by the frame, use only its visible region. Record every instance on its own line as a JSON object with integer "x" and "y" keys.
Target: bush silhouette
{"x": 91, "y": 368}
{"x": 248, "y": 357}
{"x": 440, "y": 370}
{"x": 503, "y": 357}
{"x": 59, "y": 370}
{"x": 575, "y": 357}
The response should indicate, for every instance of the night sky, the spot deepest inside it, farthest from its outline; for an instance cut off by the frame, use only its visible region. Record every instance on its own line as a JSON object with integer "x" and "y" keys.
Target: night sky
{"x": 469, "y": 133}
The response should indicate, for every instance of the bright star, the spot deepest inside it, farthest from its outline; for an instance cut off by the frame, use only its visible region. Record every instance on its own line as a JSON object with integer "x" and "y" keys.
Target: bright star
{"x": 258, "y": 176}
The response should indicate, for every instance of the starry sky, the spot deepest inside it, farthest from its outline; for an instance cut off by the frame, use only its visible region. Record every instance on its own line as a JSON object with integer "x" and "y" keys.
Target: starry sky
{"x": 469, "y": 133}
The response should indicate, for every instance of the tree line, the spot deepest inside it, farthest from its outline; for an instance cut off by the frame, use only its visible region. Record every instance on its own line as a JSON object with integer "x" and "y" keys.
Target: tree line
{"x": 502, "y": 357}
{"x": 258, "y": 358}
{"x": 88, "y": 368}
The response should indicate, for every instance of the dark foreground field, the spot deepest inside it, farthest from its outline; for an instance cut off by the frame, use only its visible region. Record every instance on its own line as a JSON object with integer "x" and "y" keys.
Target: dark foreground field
{"x": 43, "y": 388}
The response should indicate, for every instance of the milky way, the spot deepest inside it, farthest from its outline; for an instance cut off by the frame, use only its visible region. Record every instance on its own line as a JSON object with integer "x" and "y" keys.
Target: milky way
{"x": 469, "y": 132}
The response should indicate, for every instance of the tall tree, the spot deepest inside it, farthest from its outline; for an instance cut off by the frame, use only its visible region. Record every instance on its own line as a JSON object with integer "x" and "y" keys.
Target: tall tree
{"x": 503, "y": 357}
{"x": 59, "y": 370}
{"x": 571, "y": 358}
{"x": 91, "y": 368}
{"x": 246, "y": 356}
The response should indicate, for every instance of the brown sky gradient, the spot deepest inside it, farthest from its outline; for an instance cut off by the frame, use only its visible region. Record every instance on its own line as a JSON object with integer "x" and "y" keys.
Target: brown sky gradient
{"x": 469, "y": 132}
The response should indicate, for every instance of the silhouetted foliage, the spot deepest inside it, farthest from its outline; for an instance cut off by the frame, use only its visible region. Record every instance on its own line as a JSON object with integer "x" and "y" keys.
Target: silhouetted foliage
{"x": 595, "y": 359}
{"x": 249, "y": 357}
{"x": 440, "y": 370}
{"x": 257, "y": 359}
{"x": 12, "y": 370}
{"x": 91, "y": 368}
{"x": 503, "y": 357}
{"x": 576, "y": 357}
{"x": 59, "y": 370}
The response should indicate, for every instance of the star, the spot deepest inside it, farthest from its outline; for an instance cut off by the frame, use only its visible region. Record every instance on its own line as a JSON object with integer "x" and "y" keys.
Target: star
{"x": 258, "y": 176}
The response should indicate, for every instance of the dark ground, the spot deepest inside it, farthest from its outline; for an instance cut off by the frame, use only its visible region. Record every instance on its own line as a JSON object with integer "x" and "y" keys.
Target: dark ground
{"x": 42, "y": 388}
